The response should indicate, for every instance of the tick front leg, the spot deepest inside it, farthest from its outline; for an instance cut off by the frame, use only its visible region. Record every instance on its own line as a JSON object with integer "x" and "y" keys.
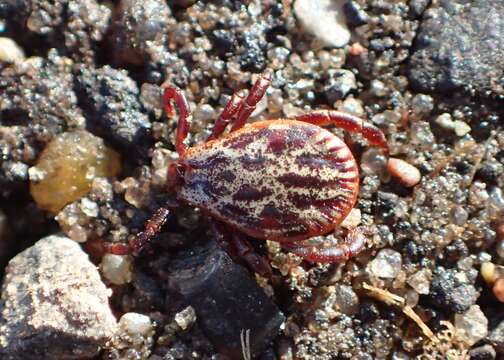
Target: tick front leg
{"x": 175, "y": 94}
{"x": 249, "y": 104}
{"x": 152, "y": 228}
{"x": 228, "y": 114}
{"x": 347, "y": 122}
{"x": 354, "y": 243}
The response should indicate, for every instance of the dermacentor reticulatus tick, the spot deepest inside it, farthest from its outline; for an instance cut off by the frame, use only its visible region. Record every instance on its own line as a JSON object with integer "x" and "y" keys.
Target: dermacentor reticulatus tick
{"x": 284, "y": 180}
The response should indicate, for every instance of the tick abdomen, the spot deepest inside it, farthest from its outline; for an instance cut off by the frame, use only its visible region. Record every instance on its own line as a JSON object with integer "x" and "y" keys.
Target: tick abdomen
{"x": 278, "y": 180}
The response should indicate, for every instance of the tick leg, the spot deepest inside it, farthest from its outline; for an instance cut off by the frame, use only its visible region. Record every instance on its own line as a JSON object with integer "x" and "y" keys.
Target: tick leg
{"x": 152, "y": 228}
{"x": 175, "y": 94}
{"x": 354, "y": 243}
{"x": 238, "y": 247}
{"x": 347, "y": 122}
{"x": 228, "y": 114}
{"x": 249, "y": 104}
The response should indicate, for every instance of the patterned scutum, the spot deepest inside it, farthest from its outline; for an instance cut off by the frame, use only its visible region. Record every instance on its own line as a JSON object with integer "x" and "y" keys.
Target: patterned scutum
{"x": 278, "y": 180}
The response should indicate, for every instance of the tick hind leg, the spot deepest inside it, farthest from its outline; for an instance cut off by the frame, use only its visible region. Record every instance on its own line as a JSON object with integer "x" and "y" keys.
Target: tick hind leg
{"x": 348, "y": 122}
{"x": 239, "y": 248}
{"x": 354, "y": 243}
{"x": 152, "y": 228}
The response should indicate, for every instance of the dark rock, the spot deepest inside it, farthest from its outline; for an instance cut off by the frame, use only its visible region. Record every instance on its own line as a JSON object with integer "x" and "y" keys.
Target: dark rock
{"x": 223, "y": 41}
{"x": 386, "y": 203}
{"x": 485, "y": 352}
{"x": 496, "y": 338}
{"x": 226, "y": 298}
{"x": 460, "y": 45}
{"x": 114, "y": 110}
{"x": 252, "y": 49}
{"x": 38, "y": 102}
{"x": 53, "y": 304}
{"x": 355, "y": 15}
{"x": 452, "y": 290}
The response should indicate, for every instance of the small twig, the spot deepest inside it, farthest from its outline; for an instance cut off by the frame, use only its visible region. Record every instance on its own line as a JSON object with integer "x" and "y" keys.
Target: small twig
{"x": 393, "y": 299}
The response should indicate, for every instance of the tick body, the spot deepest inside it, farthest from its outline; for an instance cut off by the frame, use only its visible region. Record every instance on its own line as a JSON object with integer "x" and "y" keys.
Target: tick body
{"x": 285, "y": 180}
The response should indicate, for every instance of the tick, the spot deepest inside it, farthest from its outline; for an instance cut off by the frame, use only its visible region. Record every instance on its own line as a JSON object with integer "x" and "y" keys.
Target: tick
{"x": 284, "y": 180}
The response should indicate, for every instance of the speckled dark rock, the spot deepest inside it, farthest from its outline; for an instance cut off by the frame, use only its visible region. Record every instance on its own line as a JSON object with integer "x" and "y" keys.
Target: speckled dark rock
{"x": 73, "y": 27}
{"x": 139, "y": 28}
{"x": 226, "y": 299}
{"x": 496, "y": 337}
{"x": 113, "y": 109}
{"x": 37, "y": 101}
{"x": 452, "y": 290}
{"x": 460, "y": 45}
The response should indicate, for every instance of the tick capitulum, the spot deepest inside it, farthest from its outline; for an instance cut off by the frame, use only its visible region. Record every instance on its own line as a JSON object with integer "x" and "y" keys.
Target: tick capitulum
{"x": 285, "y": 180}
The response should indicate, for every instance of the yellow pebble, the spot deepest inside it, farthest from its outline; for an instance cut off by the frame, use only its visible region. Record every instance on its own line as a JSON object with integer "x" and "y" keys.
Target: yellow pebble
{"x": 67, "y": 166}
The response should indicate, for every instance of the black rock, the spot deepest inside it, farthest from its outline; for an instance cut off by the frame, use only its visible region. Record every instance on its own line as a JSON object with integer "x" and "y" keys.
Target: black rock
{"x": 113, "y": 109}
{"x": 460, "y": 44}
{"x": 452, "y": 290}
{"x": 496, "y": 337}
{"x": 227, "y": 300}
{"x": 355, "y": 15}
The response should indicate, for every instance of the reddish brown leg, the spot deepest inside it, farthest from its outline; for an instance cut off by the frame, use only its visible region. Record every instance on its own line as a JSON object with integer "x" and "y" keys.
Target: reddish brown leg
{"x": 249, "y": 104}
{"x": 354, "y": 243}
{"x": 228, "y": 114}
{"x": 347, "y": 122}
{"x": 152, "y": 228}
{"x": 175, "y": 94}
{"x": 238, "y": 247}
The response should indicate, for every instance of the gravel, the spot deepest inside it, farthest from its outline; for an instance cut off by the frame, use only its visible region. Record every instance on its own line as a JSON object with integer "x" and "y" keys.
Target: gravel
{"x": 54, "y": 304}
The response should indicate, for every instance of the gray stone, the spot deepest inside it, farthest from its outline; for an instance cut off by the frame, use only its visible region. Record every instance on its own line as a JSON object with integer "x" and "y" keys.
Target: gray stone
{"x": 53, "y": 304}
{"x": 460, "y": 44}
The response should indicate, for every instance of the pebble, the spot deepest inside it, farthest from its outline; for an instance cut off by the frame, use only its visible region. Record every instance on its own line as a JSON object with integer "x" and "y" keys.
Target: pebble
{"x": 340, "y": 83}
{"x": 461, "y": 128}
{"x": 346, "y": 300}
{"x": 136, "y": 324}
{"x": 445, "y": 121}
{"x": 420, "y": 281}
{"x": 324, "y": 19}
{"x": 54, "y": 305}
{"x": 405, "y": 173}
{"x": 452, "y": 290}
{"x": 117, "y": 268}
{"x": 66, "y": 169}
{"x": 498, "y": 290}
{"x": 422, "y": 104}
{"x": 472, "y": 325}
{"x": 225, "y": 298}
{"x": 10, "y": 52}
{"x": 185, "y": 318}
{"x": 387, "y": 264}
